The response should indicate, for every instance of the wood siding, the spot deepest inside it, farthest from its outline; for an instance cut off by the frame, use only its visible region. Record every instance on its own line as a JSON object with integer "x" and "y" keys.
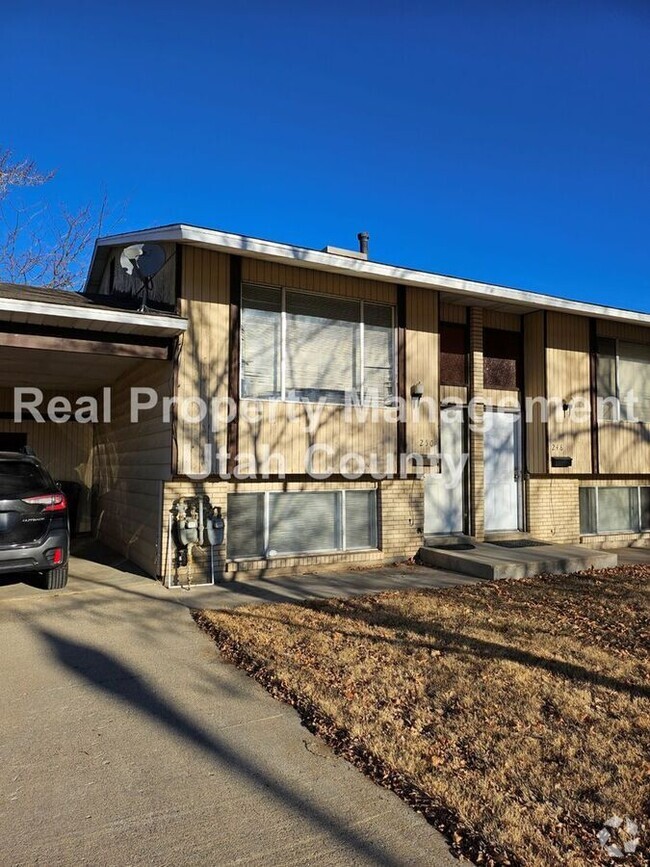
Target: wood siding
{"x": 422, "y": 365}
{"x": 568, "y": 379}
{"x": 499, "y": 319}
{"x": 535, "y": 387}
{"x": 130, "y": 463}
{"x": 203, "y": 358}
{"x": 64, "y": 449}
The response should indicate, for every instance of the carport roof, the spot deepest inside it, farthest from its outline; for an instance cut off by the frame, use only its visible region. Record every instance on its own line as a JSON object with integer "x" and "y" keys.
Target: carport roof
{"x": 43, "y": 306}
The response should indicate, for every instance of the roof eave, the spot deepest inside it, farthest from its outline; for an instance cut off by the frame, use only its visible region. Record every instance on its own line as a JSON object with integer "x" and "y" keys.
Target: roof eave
{"x": 228, "y": 242}
{"x": 128, "y": 321}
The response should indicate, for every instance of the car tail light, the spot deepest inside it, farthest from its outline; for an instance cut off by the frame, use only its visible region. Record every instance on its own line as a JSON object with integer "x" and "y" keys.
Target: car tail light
{"x": 50, "y": 502}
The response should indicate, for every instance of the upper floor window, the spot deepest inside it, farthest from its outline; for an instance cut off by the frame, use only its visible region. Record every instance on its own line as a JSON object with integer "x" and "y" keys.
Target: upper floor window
{"x": 302, "y": 346}
{"x": 453, "y": 353}
{"x": 624, "y": 378}
{"x": 502, "y": 351}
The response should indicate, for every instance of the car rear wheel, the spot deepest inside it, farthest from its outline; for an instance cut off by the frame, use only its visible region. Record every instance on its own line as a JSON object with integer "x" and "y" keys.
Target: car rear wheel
{"x": 55, "y": 579}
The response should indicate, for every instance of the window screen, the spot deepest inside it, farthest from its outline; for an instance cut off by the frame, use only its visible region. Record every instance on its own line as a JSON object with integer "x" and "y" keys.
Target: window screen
{"x": 634, "y": 380}
{"x": 453, "y": 354}
{"x": 245, "y": 525}
{"x": 304, "y": 522}
{"x": 606, "y": 378}
{"x": 618, "y": 510}
{"x": 645, "y": 508}
{"x": 588, "y": 511}
{"x": 261, "y": 342}
{"x": 501, "y": 358}
{"x": 360, "y": 519}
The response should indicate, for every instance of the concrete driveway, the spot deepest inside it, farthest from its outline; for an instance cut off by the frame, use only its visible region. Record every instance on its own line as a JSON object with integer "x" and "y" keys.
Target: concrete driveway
{"x": 126, "y": 740}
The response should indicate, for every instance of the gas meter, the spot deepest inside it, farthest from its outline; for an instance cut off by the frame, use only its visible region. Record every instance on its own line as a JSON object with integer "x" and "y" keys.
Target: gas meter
{"x": 215, "y": 527}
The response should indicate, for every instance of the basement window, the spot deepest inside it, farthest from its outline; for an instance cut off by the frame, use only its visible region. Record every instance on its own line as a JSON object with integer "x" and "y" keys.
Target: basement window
{"x": 302, "y": 522}
{"x": 614, "y": 510}
{"x": 298, "y": 346}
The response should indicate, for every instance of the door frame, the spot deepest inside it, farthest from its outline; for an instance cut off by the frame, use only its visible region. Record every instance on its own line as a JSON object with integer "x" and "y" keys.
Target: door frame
{"x": 465, "y": 445}
{"x": 519, "y": 466}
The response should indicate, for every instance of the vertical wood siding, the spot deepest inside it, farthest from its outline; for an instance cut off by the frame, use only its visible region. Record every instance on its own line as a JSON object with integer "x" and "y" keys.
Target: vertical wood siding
{"x": 453, "y": 313}
{"x": 499, "y": 319}
{"x": 568, "y": 379}
{"x": 535, "y": 387}
{"x": 422, "y": 365}
{"x": 131, "y": 461}
{"x": 64, "y": 449}
{"x": 203, "y": 361}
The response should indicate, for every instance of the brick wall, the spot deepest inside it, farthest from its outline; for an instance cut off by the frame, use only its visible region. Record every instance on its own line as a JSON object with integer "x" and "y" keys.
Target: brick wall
{"x": 553, "y": 507}
{"x": 401, "y": 516}
{"x": 476, "y": 462}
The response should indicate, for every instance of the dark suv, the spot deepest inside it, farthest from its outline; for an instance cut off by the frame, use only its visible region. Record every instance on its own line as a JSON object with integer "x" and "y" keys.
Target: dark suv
{"x": 34, "y": 527}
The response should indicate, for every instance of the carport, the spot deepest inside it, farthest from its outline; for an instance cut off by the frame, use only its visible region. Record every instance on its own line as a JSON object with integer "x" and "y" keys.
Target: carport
{"x": 68, "y": 346}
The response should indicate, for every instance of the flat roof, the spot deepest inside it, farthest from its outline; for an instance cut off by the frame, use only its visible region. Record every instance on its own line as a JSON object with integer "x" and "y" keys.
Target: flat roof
{"x": 42, "y": 305}
{"x": 454, "y": 289}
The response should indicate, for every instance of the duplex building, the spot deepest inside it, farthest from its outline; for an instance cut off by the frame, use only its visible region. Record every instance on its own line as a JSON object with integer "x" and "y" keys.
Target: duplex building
{"x": 329, "y": 408}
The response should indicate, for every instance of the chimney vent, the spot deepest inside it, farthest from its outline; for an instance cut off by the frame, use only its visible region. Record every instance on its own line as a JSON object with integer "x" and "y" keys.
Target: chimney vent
{"x": 363, "y": 237}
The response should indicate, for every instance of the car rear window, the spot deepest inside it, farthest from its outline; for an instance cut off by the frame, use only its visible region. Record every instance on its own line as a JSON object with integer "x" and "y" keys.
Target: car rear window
{"x": 22, "y": 479}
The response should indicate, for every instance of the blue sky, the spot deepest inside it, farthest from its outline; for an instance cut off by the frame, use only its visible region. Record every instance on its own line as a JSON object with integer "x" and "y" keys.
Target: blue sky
{"x": 504, "y": 141}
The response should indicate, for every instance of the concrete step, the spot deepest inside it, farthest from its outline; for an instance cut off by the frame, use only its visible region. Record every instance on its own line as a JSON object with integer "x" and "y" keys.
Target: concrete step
{"x": 490, "y": 561}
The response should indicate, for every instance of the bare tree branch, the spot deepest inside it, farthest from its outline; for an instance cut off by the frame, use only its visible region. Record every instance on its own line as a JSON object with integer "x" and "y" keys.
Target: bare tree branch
{"x": 40, "y": 243}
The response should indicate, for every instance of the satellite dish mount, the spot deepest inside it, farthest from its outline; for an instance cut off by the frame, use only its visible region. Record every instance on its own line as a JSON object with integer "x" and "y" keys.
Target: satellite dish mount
{"x": 145, "y": 261}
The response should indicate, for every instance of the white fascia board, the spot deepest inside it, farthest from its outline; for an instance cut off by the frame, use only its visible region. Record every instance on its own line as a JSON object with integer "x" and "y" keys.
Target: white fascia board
{"x": 258, "y": 248}
{"x": 118, "y": 317}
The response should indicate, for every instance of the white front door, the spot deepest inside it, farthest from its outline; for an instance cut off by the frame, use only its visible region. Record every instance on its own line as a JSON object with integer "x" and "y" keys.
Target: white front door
{"x": 502, "y": 455}
{"x": 444, "y": 500}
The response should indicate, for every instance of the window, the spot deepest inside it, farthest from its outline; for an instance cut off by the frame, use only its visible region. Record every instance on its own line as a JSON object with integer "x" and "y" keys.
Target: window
{"x": 297, "y": 346}
{"x": 284, "y": 522}
{"x": 453, "y": 354}
{"x": 501, "y": 358}
{"x": 261, "y": 330}
{"x": 623, "y": 373}
{"x": 614, "y": 510}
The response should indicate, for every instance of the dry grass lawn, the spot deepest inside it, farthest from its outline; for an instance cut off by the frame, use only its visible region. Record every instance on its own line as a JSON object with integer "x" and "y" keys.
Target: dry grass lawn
{"x": 514, "y": 714}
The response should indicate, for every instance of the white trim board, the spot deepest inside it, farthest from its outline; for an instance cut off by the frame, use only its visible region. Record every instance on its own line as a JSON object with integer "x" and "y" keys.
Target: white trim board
{"x": 228, "y": 242}
{"x": 139, "y": 322}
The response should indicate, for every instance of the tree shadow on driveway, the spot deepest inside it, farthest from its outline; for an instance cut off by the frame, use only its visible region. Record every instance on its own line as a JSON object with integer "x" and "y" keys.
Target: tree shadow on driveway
{"x": 105, "y": 673}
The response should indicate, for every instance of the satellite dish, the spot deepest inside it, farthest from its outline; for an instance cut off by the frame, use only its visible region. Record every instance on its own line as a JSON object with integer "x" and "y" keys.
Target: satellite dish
{"x": 145, "y": 259}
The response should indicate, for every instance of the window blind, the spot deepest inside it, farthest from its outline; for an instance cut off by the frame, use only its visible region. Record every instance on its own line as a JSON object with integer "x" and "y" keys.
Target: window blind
{"x": 618, "y": 510}
{"x": 634, "y": 379}
{"x": 261, "y": 342}
{"x": 378, "y": 353}
{"x": 606, "y": 378}
{"x": 245, "y": 525}
{"x": 360, "y": 519}
{"x": 304, "y": 521}
{"x": 322, "y": 347}
{"x": 288, "y": 522}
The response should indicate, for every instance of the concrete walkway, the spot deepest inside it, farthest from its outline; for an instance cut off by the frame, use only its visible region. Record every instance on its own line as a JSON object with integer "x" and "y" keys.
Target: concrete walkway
{"x": 126, "y": 739}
